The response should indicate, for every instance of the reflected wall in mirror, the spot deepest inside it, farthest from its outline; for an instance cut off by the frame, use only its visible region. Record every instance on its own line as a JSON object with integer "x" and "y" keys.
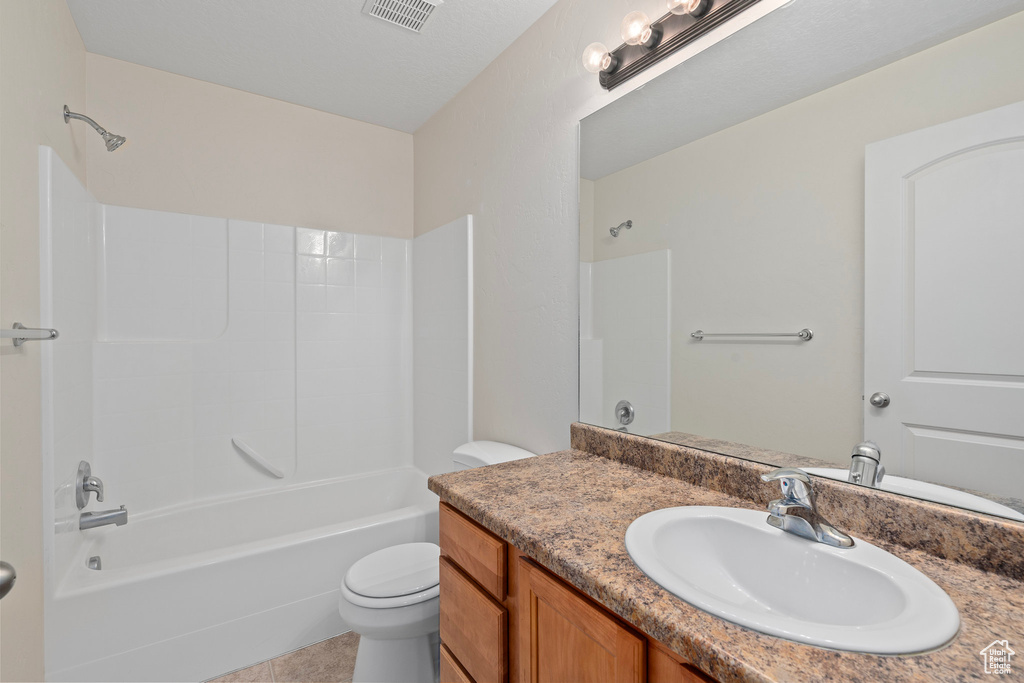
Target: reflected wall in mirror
{"x": 749, "y": 216}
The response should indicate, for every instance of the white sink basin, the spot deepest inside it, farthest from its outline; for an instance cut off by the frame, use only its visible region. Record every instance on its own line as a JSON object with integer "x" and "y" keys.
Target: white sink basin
{"x": 932, "y": 492}
{"x": 729, "y": 562}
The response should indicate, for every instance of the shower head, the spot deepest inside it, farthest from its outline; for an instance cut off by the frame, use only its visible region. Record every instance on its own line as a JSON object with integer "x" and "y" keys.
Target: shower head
{"x": 113, "y": 141}
{"x": 618, "y": 228}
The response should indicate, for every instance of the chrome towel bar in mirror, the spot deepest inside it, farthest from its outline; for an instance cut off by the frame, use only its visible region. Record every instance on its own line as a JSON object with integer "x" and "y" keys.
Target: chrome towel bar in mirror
{"x": 804, "y": 334}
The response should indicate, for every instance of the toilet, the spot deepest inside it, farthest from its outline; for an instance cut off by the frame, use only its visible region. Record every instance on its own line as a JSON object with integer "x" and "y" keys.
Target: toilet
{"x": 391, "y": 597}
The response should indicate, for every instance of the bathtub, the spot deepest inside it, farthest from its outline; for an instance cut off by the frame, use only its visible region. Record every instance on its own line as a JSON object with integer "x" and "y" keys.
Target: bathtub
{"x": 190, "y": 593}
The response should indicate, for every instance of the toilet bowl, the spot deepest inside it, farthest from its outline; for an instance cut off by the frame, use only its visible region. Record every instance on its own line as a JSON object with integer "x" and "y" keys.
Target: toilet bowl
{"x": 391, "y": 597}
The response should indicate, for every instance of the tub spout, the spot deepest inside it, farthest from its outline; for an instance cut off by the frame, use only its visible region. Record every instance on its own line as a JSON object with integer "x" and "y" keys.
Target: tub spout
{"x": 91, "y": 520}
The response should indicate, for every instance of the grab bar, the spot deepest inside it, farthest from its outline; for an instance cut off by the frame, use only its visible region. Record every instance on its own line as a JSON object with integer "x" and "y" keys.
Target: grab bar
{"x": 21, "y": 334}
{"x": 804, "y": 334}
{"x": 256, "y": 458}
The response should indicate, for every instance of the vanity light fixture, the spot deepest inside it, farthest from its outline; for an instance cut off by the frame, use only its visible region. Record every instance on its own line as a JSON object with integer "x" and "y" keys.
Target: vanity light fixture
{"x": 646, "y": 43}
{"x": 597, "y": 59}
{"x": 637, "y": 30}
{"x": 695, "y": 8}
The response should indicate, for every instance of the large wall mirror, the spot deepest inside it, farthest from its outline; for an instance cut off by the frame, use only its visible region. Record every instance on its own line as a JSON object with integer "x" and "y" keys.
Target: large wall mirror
{"x": 855, "y": 170}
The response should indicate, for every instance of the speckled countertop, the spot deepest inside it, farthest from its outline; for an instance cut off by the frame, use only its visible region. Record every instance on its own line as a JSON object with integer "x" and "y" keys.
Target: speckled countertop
{"x": 570, "y": 510}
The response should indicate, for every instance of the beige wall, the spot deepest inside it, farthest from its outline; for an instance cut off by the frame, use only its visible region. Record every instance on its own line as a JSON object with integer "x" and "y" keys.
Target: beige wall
{"x": 42, "y": 67}
{"x": 199, "y": 148}
{"x": 767, "y": 233}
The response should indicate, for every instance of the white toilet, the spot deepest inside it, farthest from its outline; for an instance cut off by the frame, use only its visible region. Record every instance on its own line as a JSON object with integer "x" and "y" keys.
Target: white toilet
{"x": 391, "y": 597}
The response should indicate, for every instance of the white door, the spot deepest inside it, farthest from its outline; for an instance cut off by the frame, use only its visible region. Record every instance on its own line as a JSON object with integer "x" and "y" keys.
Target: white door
{"x": 944, "y": 301}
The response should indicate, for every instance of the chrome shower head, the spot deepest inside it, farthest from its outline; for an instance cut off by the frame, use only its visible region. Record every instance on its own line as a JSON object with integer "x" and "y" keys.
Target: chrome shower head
{"x": 618, "y": 228}
{"x": 112, "y": 141}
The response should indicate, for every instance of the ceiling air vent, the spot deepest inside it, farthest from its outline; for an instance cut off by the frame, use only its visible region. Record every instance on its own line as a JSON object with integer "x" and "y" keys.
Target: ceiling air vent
{"x": 410, "y": 14}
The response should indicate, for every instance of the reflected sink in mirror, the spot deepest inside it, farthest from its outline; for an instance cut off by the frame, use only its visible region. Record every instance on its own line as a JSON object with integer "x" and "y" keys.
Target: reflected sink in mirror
{"x": 926, "y": 491}
{"x": 731, "y": 563}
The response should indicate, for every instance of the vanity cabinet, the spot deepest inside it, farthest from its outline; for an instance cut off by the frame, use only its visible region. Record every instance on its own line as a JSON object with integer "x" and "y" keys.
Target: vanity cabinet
{"x": 564, "y": 637}
{"x": 506, "y": 619}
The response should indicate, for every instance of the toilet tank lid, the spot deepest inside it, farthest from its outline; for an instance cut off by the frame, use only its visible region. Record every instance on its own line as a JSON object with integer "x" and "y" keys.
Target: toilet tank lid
{"x": 481, "y": 453}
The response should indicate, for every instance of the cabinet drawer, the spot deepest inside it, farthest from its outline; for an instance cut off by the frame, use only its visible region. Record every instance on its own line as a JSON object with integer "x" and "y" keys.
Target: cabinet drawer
{"x": 451, "y": 670}
{"x": 477, "y": 551}
{"x": 474, "y": 627}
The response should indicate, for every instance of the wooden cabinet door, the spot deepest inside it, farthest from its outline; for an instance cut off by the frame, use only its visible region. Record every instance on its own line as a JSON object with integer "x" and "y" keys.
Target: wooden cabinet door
{"x": 664, "y": 666}
{"x": 563, "y": 637}
{"x": 451, "y": 668}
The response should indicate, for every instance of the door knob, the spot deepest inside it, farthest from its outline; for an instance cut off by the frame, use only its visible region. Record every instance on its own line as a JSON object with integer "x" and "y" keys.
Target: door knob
{"x": 879, "y": 400}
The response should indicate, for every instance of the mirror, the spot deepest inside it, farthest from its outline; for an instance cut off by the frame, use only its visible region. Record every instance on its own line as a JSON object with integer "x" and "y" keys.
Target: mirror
{"x": 765, "y": 191}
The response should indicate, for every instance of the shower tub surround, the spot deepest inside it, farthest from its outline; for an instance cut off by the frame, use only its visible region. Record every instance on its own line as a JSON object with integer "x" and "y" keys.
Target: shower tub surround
{"x": 535, "y": 505}
{"x": 178, "y": 334}
{"x": 625, "y": 333}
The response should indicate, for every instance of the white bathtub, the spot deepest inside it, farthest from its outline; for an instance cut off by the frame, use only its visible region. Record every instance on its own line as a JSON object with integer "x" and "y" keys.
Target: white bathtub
{"x": 191, "y": 593}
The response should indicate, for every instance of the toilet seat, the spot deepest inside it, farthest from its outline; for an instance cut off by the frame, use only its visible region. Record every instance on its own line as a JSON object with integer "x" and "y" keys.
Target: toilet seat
{"x": 397, "y": 576}
{"x": 386, "y": 603}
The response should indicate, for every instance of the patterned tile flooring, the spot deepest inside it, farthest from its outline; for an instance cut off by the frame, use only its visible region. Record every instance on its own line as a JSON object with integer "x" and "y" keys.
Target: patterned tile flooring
{"x": 329, "y": 661}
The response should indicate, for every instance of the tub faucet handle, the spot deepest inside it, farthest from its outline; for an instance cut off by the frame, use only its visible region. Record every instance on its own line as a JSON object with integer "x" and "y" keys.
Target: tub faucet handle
{"x": 86, "y": 484}
{"x": 95, "y": 485}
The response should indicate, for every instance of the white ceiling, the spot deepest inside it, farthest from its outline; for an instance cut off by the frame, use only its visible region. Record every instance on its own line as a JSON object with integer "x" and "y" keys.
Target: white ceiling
{"x": 795, "y": 51}
{"x": 324, "y": 54}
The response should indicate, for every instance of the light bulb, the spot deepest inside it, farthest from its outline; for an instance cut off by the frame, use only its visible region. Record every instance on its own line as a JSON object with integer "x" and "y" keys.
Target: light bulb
{"x": 636, "y": 28}
{"x": 596, "y": 58}
{"x": 694, "y": 8}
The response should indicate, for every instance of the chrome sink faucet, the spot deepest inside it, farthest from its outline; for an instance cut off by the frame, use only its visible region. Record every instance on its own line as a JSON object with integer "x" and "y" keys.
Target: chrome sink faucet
{"x": 865, "y": 464}
{"x": 797, "y": 513}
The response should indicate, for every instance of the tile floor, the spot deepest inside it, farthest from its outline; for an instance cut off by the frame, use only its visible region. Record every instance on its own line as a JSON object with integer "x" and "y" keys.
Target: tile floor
{"x": 329, "y": 661}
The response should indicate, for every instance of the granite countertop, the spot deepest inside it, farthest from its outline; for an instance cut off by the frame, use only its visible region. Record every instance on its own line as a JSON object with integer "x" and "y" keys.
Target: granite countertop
{"x": 569, "y": 511}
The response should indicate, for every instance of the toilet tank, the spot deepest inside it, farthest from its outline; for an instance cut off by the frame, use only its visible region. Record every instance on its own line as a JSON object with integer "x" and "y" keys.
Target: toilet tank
{"x": 482, "y": 453}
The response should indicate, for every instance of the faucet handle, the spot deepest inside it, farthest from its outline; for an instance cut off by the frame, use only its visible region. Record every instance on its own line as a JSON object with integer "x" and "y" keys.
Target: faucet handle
{"x": 94, "y": 484}
{"x": 796, "y": 485}
{"x": 787, "y": 473}
{"x": 867, "y": 449}
{"x": 85, "y": 484}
